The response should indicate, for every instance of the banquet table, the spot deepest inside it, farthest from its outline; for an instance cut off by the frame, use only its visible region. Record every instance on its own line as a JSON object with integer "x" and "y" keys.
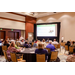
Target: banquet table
{"x": 29, "y": 54}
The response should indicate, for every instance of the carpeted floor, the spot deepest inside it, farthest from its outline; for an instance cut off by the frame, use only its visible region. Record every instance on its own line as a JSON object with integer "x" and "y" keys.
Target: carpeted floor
{"x": 61, "y": 55}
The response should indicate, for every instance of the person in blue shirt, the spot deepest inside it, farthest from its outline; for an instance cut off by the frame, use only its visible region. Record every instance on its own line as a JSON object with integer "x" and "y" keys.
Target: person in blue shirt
{"x": 52, "y": 48}
{"x": 41, "y": 50}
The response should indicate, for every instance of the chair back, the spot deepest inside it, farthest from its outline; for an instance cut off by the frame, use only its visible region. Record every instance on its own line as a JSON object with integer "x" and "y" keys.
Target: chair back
{"x": 48, "y": 49}
{"x": 54, "y": 55}
{"x": 32, "y": 44}
{"x": 47, "y": 42}
{"x": 4, "y": 48}
{"x": 66, "y": 47}
{"x": 55, "y": 45}
{"x": 71, "y": 49}
{"x": 40, "y": 57}
{"x": 58, "y": 45}
{"x": 5, "y": 55}
{"x": 64, "y": 43}
{"x": 13, "y": 57}
{"x": 61, "y": 44}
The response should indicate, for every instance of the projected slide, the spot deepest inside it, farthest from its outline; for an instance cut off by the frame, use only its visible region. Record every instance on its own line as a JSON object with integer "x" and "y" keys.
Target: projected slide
{"x": 47, "y": 30}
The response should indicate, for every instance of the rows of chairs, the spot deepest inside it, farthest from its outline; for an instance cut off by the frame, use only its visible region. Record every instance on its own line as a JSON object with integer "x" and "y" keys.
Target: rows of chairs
{"x": 70, "y": 49}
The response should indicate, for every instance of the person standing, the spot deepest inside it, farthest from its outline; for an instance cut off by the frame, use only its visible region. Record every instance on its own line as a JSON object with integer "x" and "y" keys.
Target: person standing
{"x": 62, "y": 39}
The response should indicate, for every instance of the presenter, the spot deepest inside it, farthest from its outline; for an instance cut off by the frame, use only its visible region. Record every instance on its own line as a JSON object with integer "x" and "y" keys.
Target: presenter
{"x": 62, "y": 39}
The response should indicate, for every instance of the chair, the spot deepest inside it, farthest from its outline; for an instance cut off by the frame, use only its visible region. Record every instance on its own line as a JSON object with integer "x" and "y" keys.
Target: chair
{"x": 54, "y": 55}
{"x": 4, "y": 48}
{"x": 55, "y": 45}
{"x": 14, "y": 58}
{"x": 61, "y": 44}
{"x": 32, "y": 44}
{"x": 48, "y": 49}
{"x": 71, "y": 49}
{"x": 66, "y": 47}
{"x": 64, "y": 44}
{"x": 58, "y": 45}
{"x": 5, "y": 55}
{"x": 40, "y": 57}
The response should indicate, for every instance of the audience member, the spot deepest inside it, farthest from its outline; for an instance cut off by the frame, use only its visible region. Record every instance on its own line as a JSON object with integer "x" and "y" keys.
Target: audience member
{"x": 6, "y": 43}
{"x": 71, "y": 58}
{"x": 52, "y": 48}
{"x": 44, "y": 43}
{"x": 34, "y": 45}
{"x": 22, "y": 42}
{"x": 54, "y": 42}
{"x": 21, "y": 38}
{"x": 47, "y": 40}
{"x": 38, "y": 42}
{"x": 68, "y": 44}
{"x": 11, "y": 48}
{"x": 62, "y": 39}
{"x": 27, "y": 45}
{"x": 41, "y": 50}
{"x": 72, "y": 44}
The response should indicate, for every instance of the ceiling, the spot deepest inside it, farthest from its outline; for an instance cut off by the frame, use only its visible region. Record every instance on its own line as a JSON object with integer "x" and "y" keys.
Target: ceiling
{"x": 38, "y": 14}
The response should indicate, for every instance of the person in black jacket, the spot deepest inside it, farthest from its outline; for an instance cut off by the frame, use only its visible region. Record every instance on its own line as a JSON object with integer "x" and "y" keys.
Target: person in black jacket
{"x": 68, "y": 44}
{"x": 6, "y": 43}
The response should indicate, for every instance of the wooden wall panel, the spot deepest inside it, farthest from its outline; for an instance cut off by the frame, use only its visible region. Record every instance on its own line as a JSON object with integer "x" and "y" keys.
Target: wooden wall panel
{"x": 11, "y": 34}
{"x": 2, "y": 35}
{"x": 29, "y": 25}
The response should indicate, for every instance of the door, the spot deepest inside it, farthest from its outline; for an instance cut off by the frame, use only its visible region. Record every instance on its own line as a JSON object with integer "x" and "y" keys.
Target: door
{"x": 16, "y": 35}
{"x": 2, "y": 35}
{"x": 11, "y": 35}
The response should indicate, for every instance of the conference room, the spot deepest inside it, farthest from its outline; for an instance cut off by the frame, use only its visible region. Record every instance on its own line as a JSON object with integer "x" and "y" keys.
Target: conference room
{"x": 37, "y": 37}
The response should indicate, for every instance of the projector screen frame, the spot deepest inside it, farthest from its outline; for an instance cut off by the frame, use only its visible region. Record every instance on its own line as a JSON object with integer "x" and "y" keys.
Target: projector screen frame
{"x": 50, "y": 37}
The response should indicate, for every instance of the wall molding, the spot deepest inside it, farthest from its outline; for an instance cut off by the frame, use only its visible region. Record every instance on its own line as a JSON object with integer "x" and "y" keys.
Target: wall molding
{"x": 12, "y": 19}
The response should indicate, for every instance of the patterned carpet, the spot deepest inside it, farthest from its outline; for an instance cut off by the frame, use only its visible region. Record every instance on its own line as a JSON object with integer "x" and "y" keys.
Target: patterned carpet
{"x": 61, "y": 55}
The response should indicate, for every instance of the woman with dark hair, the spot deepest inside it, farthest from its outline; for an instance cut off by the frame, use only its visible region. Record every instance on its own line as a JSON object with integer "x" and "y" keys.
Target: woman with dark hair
{"x": 6, "y": 43}
{"x": 68, "y": 44}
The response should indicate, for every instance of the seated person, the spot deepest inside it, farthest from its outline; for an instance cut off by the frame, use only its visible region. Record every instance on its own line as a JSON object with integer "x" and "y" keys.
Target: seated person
{"x": 52, "y": 48}
{"x": 72, "y": 44}
{"x": 38, "y": 42}
{"x": 34, "y": 45}
{"x": 27, "y": 45}
{"x": 44, "y": 43}
{"x": 68, "y": 44}
{"x": 11, "y": 48}
{"x": 22, "y": 42}
{"x": 54, "y": 42}
{"x": 47, "y": 40}
{"x": 6, "y": 43}
{"x": 41, "y": 50}
{"x": 71, "y": 58}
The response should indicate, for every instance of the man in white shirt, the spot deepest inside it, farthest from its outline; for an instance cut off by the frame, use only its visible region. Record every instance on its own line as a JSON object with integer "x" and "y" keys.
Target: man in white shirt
{"x": 54, "y": 42}
{"x": 62, "y": 39}
{"x": 22, "y": 42}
